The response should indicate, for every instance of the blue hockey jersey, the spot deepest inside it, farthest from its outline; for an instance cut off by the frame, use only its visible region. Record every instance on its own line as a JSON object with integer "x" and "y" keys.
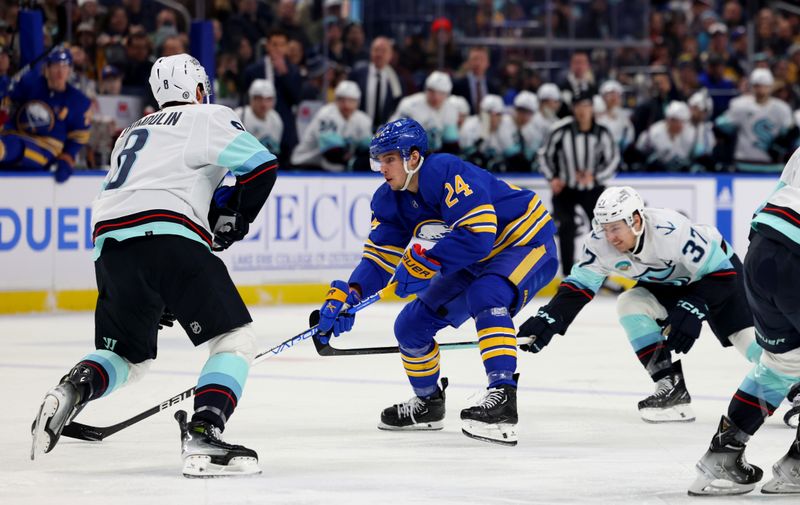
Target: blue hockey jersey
{"x": 57, "y": 123}
{"x": 468, "y": 212}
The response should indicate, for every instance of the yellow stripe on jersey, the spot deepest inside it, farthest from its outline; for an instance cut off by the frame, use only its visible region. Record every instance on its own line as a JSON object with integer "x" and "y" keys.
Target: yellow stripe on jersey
{"x": 54, "y": 146}
{"x": 486, "y": 209}
{"x": 385, "y": 256}
{"x": 526, "y": 265}
{"x": 81, "y": 136}
{"x": 37, "y": 157}
{"x": 500, "y": 330}
{"x": 523, "y": 229}
{"x": 424, "y": 373}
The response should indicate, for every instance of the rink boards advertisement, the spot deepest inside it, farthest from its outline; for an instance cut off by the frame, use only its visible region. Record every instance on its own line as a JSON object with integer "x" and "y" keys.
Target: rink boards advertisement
{"x": 311, "y": 231}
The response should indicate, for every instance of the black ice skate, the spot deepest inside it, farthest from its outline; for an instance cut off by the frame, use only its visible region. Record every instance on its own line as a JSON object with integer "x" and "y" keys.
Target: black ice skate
{"x": 670, "y": 403}
{"x": 417, "y": 413}
{"x": 494, "y": 418}
{"x": 792, "y": 416}
{"x": 60, "y": 406}
{"x": 723, "y": 470}
{"x": 205, "y": 454}
{"x": 786, "y": 472}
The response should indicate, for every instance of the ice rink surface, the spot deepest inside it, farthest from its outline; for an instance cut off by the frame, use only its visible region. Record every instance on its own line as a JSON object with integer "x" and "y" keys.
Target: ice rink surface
{"x": 313, "y": 422}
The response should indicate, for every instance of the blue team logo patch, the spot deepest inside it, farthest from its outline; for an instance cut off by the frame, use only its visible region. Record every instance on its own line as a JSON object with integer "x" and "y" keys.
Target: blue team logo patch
{"x": 36, "y": 117}
{"x": 432, "y": 230}
{"x": 623, "y": 265}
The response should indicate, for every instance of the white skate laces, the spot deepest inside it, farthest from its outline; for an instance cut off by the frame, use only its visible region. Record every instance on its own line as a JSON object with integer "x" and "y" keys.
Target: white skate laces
{"x": 491, "y": 399}
{"x": 409, "y": 408}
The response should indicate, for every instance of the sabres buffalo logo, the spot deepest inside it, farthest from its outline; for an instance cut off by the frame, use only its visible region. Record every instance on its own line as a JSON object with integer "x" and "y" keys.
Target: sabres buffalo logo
{"x": 36, "y": 117}
{"x": 431, "y": 230}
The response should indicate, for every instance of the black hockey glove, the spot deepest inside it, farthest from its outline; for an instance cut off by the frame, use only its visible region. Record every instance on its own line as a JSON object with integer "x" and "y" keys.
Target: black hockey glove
{"x": 229, "y": 227}
{"x": 683, "y": 323}
{"x": 167, "y": 319}
{"x": 540, "y": 328}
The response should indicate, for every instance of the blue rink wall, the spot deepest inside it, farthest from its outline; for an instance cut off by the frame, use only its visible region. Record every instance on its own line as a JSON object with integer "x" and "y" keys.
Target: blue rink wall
{"x": 310, "y": 232}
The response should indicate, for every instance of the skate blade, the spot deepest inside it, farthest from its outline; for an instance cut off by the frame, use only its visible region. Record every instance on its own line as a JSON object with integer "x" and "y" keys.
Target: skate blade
{"x": 431, "y": 426}
{"x": 500, "y": 433}
{"x": 201, "y": 467}
{"x": 41, "y": 438}
{"x": 676, "y": 414}
{"x": 780, "y": 486}
{"x": 703, "y": 486}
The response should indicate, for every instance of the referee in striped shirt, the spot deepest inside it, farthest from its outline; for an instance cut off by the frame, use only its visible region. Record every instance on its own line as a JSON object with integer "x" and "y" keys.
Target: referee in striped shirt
{"x": 578, "y": 157}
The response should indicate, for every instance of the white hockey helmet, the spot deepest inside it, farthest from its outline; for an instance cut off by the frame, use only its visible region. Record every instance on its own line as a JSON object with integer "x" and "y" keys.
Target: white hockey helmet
{"x": 611, "y": 86}
{"x": 439, "y": 81}
{"x": 175, "y": 79}
{"x": 702, "y": 101}
{"x": 526, "y": 100}
{"x": 548, "y": 91}
{"x": 492, "y": 104}
{"x": 618, "y": 203}
{"x": 459, "y": 103}
{"x": 761, "y": 77}
{"x": 263, "y": 88}
{"x": 678, "y": 110}
{"x": 347, "y": 89}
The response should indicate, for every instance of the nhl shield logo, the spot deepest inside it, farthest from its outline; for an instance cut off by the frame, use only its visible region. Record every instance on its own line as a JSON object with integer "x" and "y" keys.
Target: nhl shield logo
{"x": 196, "y": 328}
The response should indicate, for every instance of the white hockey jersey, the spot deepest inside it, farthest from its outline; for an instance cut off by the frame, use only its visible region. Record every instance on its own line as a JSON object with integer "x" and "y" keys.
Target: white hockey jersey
{"x": 475, "y": 135}
{"x": 779, "y": 216}
{"x": 268, "y": 131}
{"x": 619, "y": 124}
{"x": 165, "y": 168}
{"x": 440, "y": 124}
{"x": 542, "y": 124}
{"x": 675, "y": 153}
{"x": 756, "y": 127}
{"x": 328, "y": 130}
{"x": 673, "y": 251}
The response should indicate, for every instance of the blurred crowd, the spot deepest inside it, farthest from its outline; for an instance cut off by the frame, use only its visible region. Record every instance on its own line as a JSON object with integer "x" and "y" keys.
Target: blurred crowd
{"x": 308, "y": 82}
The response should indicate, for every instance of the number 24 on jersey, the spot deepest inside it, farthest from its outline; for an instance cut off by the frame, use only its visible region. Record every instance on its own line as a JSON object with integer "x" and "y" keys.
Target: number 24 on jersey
{"x": 461, "y": 187}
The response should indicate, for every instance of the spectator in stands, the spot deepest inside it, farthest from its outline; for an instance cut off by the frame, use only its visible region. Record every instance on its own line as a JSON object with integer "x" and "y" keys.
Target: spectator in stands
{"x": 701, "y": 107}
{"x": 338, "y": 137}
{"x": 549, "y": 104}
{"x": 381, "y": 88}
{"x": 739, "y": 59}
{"x": 287, "y": 21}
{"x": 614, "y": 117}
{"x": 578, "y": 157}
{"x": 172, "y": 45}
{"x": 686, "y": 78}
{"x": 137, "y": 65}
{"x": 527, "y": 138}
{"x": 476, "y": 84}
{"x": 250, "y": 21}
{"x": 763, "y": 127}
{"x": 793, "y": 72}
{"x": 50, "y": 121}
{"x": 80, "y": 77}
{"x": 441, "y": 42}
{"x": 721, "y": 89}
{"x": 90, "y": 12}
{"x": 579, "y": 79}
{"x": 259, "y": 116}
{"x": 732, "y": 14}
{"x": 116, "y": 24}
{"x": 355, "y": 50}
{"x": 141, "y": 13}
{"x": 226, "y": 85}
{"x": 431, "y": 109}
{"x": 334, "y": 45}
{"x": 652, "y": 109}
{"x": 487, "y": 139}
{"x": 296, "y": 55}
{"x": 462, "y": 107}
{"x": 166, "y": 26}
{"x": 288, "y": 84}
{"x": 110, "y": 81}
{"x": 86, "y": 38}
{"x": 668, "y": 145}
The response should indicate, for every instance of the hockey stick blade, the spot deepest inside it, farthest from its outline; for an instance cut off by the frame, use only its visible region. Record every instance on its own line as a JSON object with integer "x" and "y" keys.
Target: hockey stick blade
{"x": 97, "y": 433}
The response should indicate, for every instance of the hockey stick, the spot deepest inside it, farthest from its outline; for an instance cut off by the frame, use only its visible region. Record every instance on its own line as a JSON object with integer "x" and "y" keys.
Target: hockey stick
{"x": 97, "y": 433}
{"x": 328, "y": 350}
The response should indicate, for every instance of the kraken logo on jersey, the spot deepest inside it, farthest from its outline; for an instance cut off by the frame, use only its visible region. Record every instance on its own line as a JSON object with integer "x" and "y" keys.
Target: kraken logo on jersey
{"x": 36, "y": 117}
{"x": 623, "y": 266}
{"x": 432, "y": 229}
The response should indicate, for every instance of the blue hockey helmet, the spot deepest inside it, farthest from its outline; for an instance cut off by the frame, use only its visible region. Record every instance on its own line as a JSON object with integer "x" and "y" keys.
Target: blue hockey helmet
{"x": 403, "y": 134}
{"x": 59, "y": 55}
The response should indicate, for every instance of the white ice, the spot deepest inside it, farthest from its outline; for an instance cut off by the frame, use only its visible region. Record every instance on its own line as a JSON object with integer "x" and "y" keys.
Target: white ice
{"x": 313, "y": 422}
